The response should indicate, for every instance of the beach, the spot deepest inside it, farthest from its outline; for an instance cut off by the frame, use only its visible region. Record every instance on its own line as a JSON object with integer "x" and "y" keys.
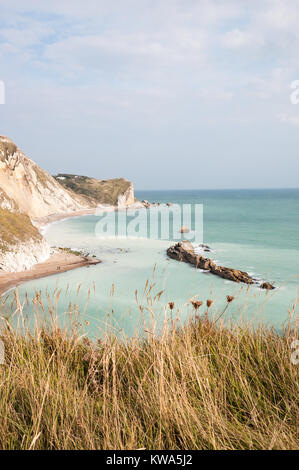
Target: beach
{"x": 58, "y": 263}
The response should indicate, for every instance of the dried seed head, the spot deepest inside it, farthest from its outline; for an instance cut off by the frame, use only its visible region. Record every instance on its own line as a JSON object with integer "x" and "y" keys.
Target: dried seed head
{"x": 171, "y": 305}
{"x": 229, "y": 298}
{"x": 196, "y": 304}
{"x": 209, "y": 303}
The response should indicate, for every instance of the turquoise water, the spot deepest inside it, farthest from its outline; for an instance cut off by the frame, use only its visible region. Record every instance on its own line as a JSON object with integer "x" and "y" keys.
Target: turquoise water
{"x": 253, "y": 230}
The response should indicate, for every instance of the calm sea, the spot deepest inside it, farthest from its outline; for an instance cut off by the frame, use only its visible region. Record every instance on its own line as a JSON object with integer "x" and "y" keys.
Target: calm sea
{"x": 253, "y": 230}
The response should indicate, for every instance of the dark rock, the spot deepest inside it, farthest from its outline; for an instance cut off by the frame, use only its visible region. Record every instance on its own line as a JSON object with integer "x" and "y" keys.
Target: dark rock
{"x": 267, "y": 286}
{"x": 146, "y": 204}
{"x": 184, "y": 251}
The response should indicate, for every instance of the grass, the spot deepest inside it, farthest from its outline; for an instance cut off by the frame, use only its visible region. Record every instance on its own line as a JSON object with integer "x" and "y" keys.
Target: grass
{"x": 72, "y": 252}
{"x": 96, "y": 191}
{"x": 15, "y": 228}
{"x": 200, "y": 385}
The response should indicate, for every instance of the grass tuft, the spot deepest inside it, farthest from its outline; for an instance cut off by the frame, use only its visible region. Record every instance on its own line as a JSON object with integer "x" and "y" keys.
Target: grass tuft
{"x": 196, "y": 386}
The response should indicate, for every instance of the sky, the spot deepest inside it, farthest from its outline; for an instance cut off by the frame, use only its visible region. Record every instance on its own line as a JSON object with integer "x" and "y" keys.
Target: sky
{"x": 170, "y": 94}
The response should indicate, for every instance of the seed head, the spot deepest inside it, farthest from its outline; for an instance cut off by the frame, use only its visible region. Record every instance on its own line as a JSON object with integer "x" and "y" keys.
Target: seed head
{"x": 196, "y": 304}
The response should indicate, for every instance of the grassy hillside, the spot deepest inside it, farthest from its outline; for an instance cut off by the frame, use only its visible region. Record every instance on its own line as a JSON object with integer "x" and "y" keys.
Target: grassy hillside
{"x": 199, "y": 386}
{"x": 96, "y": 191}
{"x": 15, "y": 228}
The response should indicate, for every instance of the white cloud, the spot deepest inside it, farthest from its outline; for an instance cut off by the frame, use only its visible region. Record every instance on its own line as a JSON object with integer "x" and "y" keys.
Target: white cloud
{"x": 237, "y": 38}
{"x": 289, "y": 119}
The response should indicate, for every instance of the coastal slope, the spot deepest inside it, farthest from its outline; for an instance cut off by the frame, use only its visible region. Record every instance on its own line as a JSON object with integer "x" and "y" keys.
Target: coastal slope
{"x": 36, "y": 192}
{"x": 21, "y": 244}
{"x": 30, "y": 198}
{"x": 116, "y": 192}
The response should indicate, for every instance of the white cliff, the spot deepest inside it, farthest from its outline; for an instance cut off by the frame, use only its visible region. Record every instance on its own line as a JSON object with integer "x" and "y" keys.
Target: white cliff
{"x": 36, "y": 192}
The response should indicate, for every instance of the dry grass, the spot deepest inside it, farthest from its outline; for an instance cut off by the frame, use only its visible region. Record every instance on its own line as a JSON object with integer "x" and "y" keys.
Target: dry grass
{"x": 197, "y": 386}
{"x": 15, "y": 228}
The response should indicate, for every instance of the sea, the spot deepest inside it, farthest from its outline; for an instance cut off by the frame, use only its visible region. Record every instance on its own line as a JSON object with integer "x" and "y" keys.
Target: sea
{"x": 256, "y": 231}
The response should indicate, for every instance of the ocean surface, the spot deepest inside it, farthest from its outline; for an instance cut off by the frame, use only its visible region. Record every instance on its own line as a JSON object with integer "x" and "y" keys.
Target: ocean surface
{"x": 253, "y": 230}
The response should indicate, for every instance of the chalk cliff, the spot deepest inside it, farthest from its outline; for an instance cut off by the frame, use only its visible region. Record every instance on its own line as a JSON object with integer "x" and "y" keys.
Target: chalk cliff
{"x": 21, "y": 244}
{"x": 30, "y": 196}
{"x": 36, "y": 192}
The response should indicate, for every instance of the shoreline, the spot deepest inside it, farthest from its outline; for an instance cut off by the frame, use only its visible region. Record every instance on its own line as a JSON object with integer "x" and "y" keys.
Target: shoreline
{"x": 58, "y": 263}
{"x": 42, "y": 222}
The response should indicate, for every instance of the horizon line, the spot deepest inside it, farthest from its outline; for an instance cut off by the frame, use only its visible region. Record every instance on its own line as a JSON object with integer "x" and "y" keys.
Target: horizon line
{"x": 221, "y": 189}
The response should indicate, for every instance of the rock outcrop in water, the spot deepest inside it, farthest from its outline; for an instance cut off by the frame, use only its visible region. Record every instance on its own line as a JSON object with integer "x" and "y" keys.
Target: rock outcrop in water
{"x": 184, "y": 251}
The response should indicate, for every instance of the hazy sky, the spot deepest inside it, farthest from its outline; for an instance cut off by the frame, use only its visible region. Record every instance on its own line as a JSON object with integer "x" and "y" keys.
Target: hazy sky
{"x": 167, "y": 93}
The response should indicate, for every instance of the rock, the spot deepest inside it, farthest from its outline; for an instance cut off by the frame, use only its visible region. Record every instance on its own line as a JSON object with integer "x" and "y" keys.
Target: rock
{"x": 267, "y": 286}
{"x": 169, "y": 204}
{"x": 184, "y": 229}
{"x": 24, "y": 256}
{"x": 186, "y": 245}
{"x": 184, "y": 251}
{"x": 205, "y": 247}
{"x": 126, "y": 198}
{"x": 146, "y": 203}
{"x": 232, "y": 274}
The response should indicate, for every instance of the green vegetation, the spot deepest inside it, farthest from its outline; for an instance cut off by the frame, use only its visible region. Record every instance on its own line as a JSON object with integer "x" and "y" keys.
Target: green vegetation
{"x": 196, "y": 386}
{"x": 71, "y": 252}
{"x": 96, "y": 191}
{"x": 7, "y": 149}
{"x": 15, "y": 228}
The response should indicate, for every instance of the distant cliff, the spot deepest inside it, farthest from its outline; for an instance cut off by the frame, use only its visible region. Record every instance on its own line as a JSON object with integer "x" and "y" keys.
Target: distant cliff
{"x": 116, "y": 192}
{"x": 29, "y": 195}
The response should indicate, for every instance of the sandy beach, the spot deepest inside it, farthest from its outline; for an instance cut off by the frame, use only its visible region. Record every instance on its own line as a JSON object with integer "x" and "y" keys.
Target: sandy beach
{"x": 58, "y": 263}
{"x": 41, "y": 222}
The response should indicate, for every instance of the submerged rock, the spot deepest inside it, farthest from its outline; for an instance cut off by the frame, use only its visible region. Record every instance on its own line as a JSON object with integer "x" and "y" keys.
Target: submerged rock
{"x": 267, "y": 286}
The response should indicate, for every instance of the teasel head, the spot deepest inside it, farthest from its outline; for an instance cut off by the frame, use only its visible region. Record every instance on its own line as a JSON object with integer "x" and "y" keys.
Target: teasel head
{"x": 196, "y": 304}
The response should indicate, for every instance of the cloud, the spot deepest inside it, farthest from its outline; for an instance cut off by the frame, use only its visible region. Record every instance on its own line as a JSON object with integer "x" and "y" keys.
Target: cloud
{"x": 164, "y": 70}
{"x": 289, "y": 119}
{"x": 236, "y": 38}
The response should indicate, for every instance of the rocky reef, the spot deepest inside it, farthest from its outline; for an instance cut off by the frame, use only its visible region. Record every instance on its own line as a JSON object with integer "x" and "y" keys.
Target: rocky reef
{"x": 184, "y": 251}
